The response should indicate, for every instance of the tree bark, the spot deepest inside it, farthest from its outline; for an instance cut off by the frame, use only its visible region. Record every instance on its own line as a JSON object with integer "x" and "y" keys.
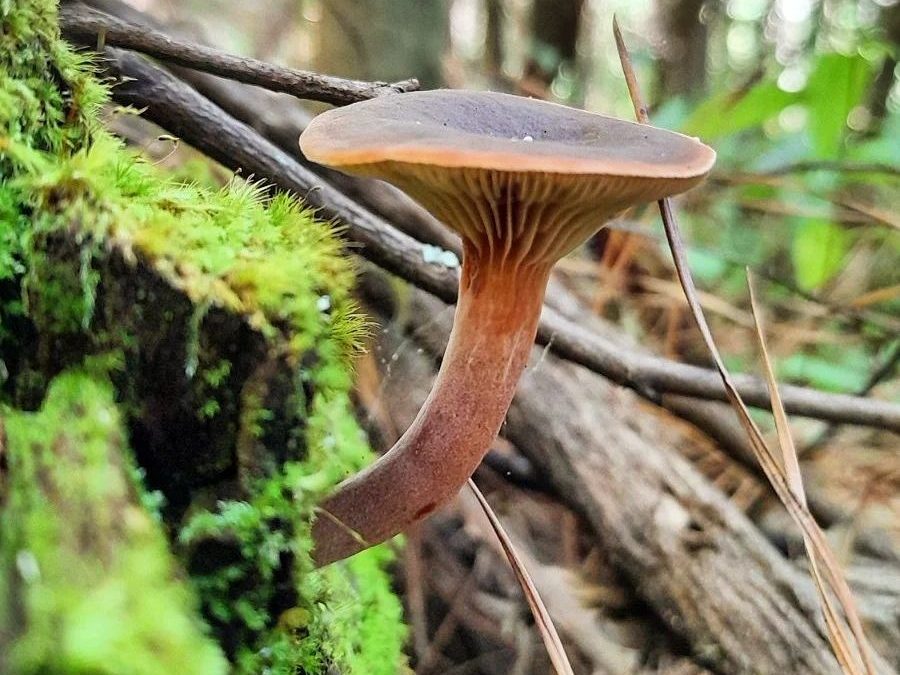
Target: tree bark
{"x": 493, "y": 37}
{"x": 555, "y": 25}
{"x": 885, "y": 80}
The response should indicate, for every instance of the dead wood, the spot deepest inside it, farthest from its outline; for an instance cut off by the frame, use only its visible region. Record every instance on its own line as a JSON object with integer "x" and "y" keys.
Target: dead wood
{"x": 691, "y": 554}
{"x": 85, "y": 24}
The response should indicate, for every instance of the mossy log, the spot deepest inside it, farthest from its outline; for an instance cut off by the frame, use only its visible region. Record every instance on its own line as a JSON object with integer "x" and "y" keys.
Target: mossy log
{"x": 79, "y": 553}
{"x": 212, "y": 327}
{"x": 226, "y": 340}
{"x": 214, "y": 396}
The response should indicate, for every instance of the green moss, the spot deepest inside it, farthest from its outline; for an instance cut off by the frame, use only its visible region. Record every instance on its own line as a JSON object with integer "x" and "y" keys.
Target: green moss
{"x": 361, "y": 602}
{"x": 91, "y": 574}
{"x": 211, "y": 380}
{"x": 48, "y": 97}
{"x": 269, "y": 261}
{"x": 100, "y": 257}
{"x": 48, "y": 103}
{"x": 344, "y": 615}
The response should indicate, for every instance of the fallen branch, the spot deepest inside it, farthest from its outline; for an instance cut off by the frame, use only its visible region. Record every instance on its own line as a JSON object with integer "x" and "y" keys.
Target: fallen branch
{"x": 185, "y": 113}
{"x": 688, "y": 551}
{"x": 87, "y": 26}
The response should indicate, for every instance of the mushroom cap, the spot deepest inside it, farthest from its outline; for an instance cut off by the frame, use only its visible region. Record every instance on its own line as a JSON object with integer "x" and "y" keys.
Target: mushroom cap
{"x": 495, "y": 166}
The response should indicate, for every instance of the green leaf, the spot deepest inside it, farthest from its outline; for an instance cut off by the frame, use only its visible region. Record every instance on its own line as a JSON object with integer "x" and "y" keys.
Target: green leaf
{"x": 818, "y": 251}
{"x": 829, "y": 371}
{"x": 730, "y": 112}
{"x": 881, "y": 148}
{"x": 706, "y": 265}
{"x": 836, "y": 86}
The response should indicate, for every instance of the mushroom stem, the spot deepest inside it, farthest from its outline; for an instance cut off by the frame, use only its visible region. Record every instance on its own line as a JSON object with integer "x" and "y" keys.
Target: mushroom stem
{"x": 493, "y": 332}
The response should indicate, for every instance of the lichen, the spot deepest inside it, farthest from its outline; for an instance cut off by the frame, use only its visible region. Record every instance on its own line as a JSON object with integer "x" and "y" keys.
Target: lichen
{"x": 88, "y": 570}
{"x": 104, "y": 259}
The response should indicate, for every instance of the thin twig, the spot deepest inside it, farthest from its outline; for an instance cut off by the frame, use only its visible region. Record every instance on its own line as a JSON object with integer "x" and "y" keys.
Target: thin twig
{"x": 185, "y": 113}
{"x": 89, "y": 27}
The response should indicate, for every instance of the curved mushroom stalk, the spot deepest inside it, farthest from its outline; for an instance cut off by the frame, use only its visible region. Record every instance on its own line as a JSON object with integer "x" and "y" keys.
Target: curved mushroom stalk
{"x": 493, "y": 332}
{"x": 523, "y": 182}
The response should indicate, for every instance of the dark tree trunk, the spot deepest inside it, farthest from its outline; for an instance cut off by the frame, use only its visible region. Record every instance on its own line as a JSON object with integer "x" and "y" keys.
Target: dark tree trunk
{"x": 886, "y": 78}
{"x": 684, "y": 37}
{"x": 493, "y": 38}
{"x": 384, "y": 39}
{"x": 555, "y": 25}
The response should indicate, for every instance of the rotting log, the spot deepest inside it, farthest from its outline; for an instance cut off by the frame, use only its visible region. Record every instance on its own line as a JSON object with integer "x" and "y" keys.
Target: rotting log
{"x": 86, "y": 577}
{"x": 695, "y": 558}
{"x": 191, "y": 372}
{"x": 220, "y": 323}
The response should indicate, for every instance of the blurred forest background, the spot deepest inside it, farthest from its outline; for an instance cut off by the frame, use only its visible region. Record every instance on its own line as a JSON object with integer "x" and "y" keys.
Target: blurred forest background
{"x": 801, "y": 100}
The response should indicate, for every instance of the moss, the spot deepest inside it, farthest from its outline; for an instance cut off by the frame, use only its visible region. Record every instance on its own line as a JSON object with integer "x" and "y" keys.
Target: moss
{"x": 48, "y": 96}
{"x": 82, "y": 555}
{"x": 344, "y": 615}
{"x": 369, "y": 609}
{"x": 48, "y": 103}
{"x": 225, "y": 321}
{"x": 269, "y": 261}
{"x": 269, "y": 264}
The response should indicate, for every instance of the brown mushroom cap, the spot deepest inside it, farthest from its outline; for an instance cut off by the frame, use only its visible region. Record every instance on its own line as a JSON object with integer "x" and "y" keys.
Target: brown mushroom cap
{"x": 487, "y": 163}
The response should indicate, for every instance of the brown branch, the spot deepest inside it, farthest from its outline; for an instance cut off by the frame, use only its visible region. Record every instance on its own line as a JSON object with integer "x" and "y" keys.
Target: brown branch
{"x": 281, "y": 120}
{"x": 89, "y": 27}
{"x": 182, "y": 111}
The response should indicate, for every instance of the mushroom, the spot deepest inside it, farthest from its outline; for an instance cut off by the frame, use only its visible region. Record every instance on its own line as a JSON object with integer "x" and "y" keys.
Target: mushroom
{"x": 523, "y": 182}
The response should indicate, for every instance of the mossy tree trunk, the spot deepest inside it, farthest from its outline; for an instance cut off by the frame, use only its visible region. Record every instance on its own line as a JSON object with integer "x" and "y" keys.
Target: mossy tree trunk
{"x": 187, "y": 352}
{"x": 88, "y": 581}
